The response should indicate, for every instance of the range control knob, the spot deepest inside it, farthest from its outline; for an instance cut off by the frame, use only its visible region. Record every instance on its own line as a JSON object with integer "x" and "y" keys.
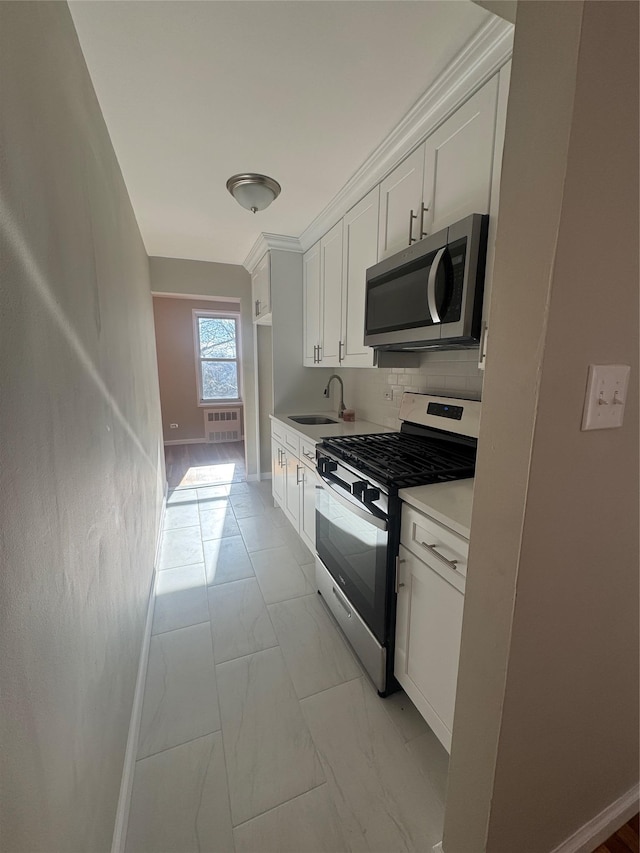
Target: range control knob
{"x": 328, "y": 465}
{"x": 359, "y": 487}
{"x": 371, "y": 495}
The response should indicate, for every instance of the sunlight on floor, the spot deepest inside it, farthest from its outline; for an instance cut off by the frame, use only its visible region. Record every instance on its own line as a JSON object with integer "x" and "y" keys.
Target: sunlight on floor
{"x": 205, "y": 474}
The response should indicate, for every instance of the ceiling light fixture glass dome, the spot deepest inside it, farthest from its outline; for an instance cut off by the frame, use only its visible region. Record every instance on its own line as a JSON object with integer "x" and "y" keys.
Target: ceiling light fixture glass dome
{"x": 252, "y": 191}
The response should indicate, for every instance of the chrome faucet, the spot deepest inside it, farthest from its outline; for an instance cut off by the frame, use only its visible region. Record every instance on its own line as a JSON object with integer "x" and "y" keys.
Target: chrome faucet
{"x": 326, "y": 393}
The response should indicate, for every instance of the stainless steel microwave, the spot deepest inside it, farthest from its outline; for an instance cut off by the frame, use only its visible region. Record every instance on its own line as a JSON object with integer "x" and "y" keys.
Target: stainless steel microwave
{"x": 429, "y": 295}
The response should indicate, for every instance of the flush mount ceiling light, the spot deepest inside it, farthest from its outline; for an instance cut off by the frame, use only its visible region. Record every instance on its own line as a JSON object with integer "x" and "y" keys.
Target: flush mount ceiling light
{"x": 253, "y": 192}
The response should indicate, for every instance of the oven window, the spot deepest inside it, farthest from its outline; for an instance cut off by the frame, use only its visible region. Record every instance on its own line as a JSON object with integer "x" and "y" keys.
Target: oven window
{"x": 355, "y": 553}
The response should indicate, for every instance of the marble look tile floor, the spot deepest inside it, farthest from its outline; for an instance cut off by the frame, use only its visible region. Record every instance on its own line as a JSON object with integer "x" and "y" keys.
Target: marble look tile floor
{"x": 260, "y": 732}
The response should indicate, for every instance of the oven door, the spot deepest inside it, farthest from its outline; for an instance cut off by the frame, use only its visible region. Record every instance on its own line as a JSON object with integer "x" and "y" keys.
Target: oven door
{"x": 352, "y": 543}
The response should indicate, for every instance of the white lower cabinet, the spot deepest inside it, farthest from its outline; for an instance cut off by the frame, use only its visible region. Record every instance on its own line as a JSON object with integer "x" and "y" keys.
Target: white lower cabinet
{"x": 294, "y": 480}
{"x": 429, "y": 622}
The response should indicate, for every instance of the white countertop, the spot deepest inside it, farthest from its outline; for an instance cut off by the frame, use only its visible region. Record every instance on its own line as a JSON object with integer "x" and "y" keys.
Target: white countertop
{"x": 319, "y": 431}
{"x": 448, "y": 503}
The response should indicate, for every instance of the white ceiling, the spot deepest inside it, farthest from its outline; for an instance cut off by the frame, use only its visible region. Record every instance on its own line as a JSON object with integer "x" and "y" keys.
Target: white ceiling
{"x": 193, "y": 92}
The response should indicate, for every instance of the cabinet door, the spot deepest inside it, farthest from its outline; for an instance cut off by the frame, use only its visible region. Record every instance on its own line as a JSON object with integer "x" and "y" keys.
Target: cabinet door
{"x": 261, "y": 285}
{"x": 308, "y": 507}
{"x": 400, "y": 193}
{"x": 277, "y": 472}
{"x": 359, "y": 251}
{"x": 311, "y": 304}
{"x": 293, "y": 474}
{"x": 428, "y": 630}
{"x": 459, "y": 161}
{"x": 331, "y": 295}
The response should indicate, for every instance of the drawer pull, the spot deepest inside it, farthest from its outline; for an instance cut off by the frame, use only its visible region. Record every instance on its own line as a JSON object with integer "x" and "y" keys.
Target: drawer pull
{"x": 341, "y": 602}
{"x": 451, "y": 563}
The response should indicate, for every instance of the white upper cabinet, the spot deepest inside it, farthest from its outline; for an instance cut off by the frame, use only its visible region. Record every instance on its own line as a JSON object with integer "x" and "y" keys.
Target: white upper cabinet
{"x": 311, "y": 305}
{"x": 459, "y": 161}
{"x": 359, "y": 251}
{"x": 400, "y": 201}
{"x": 331, "y": 295}
{"x": 261, "y": 290}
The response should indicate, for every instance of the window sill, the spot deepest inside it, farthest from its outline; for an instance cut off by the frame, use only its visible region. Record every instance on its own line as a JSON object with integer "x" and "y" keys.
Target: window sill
{"x": 219, "y": 404}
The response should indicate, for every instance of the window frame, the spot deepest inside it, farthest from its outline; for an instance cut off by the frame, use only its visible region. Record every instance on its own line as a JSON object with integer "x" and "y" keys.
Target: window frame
{"x": 223, "y": 315}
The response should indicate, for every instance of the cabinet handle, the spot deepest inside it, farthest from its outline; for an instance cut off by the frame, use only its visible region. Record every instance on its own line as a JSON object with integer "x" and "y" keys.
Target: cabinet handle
{"x": 257, "y": 307}
{"x": 450, "y": 563}
{"x": 282, "y": 459}
{"x": 398, "y": 583}
{"x": 298, "y": 469}
{"x": 340, "y": 348}
{"x": 315, "y": 354}
{"x": 423, "y": 210}
{"x": 431, "y": 286}
{"x": 319, "y": 353}
{"x": 482, "y": 355}
{"x": 412, "y": 216}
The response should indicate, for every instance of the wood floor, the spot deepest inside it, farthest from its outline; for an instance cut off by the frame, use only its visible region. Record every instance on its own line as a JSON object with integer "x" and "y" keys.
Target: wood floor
{"x": 191, "y": 465}
{"x": 625, "y": 840}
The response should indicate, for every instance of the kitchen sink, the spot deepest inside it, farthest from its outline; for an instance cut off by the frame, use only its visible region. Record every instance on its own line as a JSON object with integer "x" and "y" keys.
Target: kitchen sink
{"x": 311, "y": 419}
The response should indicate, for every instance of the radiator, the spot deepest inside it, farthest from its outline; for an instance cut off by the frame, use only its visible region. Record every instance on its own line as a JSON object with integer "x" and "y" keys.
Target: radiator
{"x": 223, "y": 424}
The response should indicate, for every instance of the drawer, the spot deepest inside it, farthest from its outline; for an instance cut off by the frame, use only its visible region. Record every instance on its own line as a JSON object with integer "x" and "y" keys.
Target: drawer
{"x": 433, "y": 543}
{"x": 277, "y": 431}
{"x": 308, "y": 452}
{"x": 292, "y": 442}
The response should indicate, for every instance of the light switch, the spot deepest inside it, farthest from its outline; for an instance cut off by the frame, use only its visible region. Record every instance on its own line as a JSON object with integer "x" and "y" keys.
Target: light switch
{"x": 606, "y": 396}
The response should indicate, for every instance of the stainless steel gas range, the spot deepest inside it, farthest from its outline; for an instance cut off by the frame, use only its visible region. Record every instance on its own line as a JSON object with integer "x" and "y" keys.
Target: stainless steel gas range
{"x": 358, "y": 515}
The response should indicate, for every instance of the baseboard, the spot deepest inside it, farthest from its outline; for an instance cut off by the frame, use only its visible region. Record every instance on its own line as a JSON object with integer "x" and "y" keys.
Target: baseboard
{"x": 266, "y": 475}
{"x": 599, "y": 828}
{"x": 126, "y": 785}
{"x": 186, "y": 441}
{"x": 252, "y": 478}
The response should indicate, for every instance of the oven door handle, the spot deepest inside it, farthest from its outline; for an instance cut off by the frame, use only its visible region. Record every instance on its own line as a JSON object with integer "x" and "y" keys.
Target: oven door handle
{"x": 431, "y": 285}
{"x": 380, "y": 523}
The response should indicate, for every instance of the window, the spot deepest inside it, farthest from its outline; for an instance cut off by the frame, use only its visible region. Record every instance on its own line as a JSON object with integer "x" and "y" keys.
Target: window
{"x": 217, "y": 356}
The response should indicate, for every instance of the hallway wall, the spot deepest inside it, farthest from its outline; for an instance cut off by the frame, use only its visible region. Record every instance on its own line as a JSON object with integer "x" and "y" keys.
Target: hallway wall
{"x": 81, "y": 463}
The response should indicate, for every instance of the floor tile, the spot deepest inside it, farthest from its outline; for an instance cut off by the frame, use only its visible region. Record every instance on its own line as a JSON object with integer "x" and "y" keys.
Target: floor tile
{"x": 180, "y": 700}
{"x": 181, "y": 496}
{"x": 181, "y": 547}
{"x": 309, "y": 570}
{"x": 218, "y": 523}
{"x": 315, "y": 654}
{"x": 276, "y": 516}
{"x": 279, "y": 575}
{"x": 226, "y": 560}
{"x": 295, "y": 544}
{"x": 433, "y": 760}
{"x": 383, "y": 799}
{"x": 240, "y": 623}
{"x": 210, "y": 497}
{"x": 181, "y": 598}
{"x": 405, "y": 716}
{"x": 269, "y": 752}
{"x": 183, "y": 514}
{"x": 247, "y": 505}
{"x": 259, "y": 533}
{"x": 240, "y": 488}
{"x": 180, "y": 801}
{"x": 306, "y": 824}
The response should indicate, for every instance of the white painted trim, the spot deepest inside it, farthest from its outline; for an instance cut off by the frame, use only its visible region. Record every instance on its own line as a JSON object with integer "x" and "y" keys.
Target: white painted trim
{"x": 186, "y": 441}
{"x": 599, "y": 828}
{"x": 231, "y": 300}
{"x": 265, "y": 475}
{"x": 252, "y": 478}
{"x": 266, "y": 241}
{"x": 131, "y": 751}
{"x": 487, "y": 51}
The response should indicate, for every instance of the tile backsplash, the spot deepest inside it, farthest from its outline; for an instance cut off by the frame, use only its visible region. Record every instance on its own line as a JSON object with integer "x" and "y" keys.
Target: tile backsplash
{"x": 452, "y": 373}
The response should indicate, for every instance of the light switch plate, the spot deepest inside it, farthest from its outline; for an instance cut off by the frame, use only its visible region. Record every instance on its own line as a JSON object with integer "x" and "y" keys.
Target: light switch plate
{"x": 606, "y": 396}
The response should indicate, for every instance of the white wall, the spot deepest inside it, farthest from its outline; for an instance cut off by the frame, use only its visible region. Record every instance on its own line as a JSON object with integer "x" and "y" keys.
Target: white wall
{"x": 546, "y": 725}
{"x": 81, "y": 464}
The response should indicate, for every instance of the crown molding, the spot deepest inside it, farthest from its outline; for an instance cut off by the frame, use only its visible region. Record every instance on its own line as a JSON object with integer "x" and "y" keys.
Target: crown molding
{"x": 266, "y": 241}
{"x": 486, "y": 52}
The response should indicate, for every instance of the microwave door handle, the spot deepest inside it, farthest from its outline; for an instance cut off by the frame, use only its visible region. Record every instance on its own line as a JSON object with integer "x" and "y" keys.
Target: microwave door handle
{"x": 431, "y": 285}
{"x": 361, "y": 513}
